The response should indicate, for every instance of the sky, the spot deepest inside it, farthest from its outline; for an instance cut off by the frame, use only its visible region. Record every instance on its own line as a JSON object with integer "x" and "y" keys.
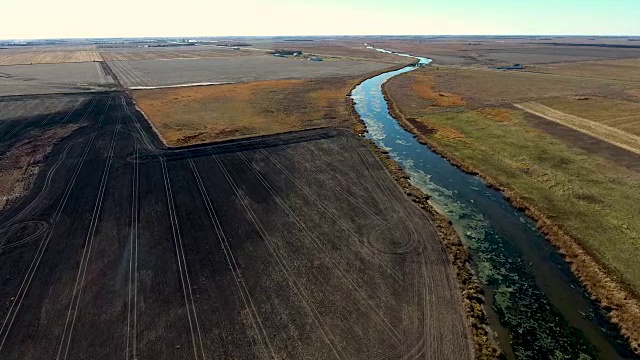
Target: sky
{"x": 34, "y": 19}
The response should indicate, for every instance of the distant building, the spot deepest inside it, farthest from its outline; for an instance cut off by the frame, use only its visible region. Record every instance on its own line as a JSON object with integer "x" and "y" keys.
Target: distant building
{"x": 315, "y": 58}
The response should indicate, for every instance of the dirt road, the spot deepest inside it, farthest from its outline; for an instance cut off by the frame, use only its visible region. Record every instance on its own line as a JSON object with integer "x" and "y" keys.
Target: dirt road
{"x": 614, "y": 136}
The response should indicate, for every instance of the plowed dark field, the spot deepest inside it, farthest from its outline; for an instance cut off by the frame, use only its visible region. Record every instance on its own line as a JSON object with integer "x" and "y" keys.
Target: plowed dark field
{"x": 298, "y": 245}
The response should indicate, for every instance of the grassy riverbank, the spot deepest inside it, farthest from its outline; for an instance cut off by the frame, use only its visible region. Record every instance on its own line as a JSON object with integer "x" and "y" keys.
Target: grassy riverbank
{"x": 587, "y": 206}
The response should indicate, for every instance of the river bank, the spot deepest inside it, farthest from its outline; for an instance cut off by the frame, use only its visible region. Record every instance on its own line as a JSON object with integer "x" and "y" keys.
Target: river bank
{"x": 536, "y": 305}
{"x": 615, "y": 298}
{"x": 470, "y": 288}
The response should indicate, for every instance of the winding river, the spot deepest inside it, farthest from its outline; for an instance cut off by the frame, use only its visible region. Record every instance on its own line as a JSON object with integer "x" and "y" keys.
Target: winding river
{"x": 536, "y": 307}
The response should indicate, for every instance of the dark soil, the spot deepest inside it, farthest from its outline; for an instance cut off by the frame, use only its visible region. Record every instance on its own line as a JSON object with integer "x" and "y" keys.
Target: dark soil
{"x": 297, "y": 245}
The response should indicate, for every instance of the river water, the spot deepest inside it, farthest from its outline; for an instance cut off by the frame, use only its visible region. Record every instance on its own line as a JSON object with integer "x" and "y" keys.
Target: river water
{"x": 536, "y": 307}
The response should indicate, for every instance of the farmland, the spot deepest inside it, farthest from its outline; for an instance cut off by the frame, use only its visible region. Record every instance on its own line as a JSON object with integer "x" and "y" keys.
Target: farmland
{"x": 154, "y": 73}
{"x": 47, "y": 56}
{"x": 485, "y": 87}
{"x": 487, "y": 50}
{"x": 245, "y": 220}
{"x": 298, "y": 245}
{"x": 202, "y": 52}
{"x": 620, "y": 69}
{"x": 53, "y": 78}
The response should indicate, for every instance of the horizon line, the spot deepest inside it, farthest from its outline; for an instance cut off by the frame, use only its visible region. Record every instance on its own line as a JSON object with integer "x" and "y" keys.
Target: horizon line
{"x": 319, "y": 36}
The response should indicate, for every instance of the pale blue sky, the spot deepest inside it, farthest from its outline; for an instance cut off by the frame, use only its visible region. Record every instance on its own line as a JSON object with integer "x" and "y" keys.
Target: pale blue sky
{"x": 120, "y": 18}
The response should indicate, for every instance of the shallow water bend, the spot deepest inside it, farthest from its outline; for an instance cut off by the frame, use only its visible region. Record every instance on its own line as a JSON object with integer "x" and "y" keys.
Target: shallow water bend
{"x": 535, "y": 304}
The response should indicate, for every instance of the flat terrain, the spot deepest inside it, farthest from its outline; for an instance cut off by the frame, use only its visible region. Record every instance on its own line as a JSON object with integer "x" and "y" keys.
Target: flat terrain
{"x": 200, "y": 114}
{"x": 13, "y": 108}
{"x": 152, "y": 73}
{"x": 587, "y": 186}
{"x": 484, "y": 87}
{"x": 345, "y": 48}
{"x": 190, "y": 52}
{"x": 21, "y": 159}
{"x": 298, "y": 245}
{"x": 500, "y": 50}
{"x": 624, "y": 69}
{"x": 52, "y": 78}
{"x": 47, "y": 56}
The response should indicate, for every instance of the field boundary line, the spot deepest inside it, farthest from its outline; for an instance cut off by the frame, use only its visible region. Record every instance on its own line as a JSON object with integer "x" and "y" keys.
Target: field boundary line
{"x": 182, "y": 266}
{"x": 285, "y": 268}
{"x": 235, "y": 269}
{"x": 315, "y": 171}
{"x": 143, "y": 135}
{"x": 597, "y": 130}
{"x": 397, "y": 202}
{"x": 351, "y": 198}
{"x": 133, "y": 262}
{"x": 86, "y": 253}
{"x": 391, "y": 272}
{"x": 336, "y": 164}
{"x": 345, "y": 277}
{"x": 134, "y": 75}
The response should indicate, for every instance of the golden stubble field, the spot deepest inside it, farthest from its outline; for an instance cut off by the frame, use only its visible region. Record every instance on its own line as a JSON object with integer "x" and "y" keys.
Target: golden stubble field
{"x": 47, "y": 57}
{"x": 135, "y": 54}
{"x": 619, "y": 69}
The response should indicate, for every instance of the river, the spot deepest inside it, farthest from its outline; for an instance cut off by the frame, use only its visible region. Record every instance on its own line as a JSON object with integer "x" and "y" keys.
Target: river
{"x": 535, "y": 305}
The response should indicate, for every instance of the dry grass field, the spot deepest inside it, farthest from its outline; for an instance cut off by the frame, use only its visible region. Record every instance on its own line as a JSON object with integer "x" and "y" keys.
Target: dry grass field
{"x": 493, "y": 51}
{"x": 598, "y": 130}
{"x": 588, "y": 188}
{"x": 623, "y": 69}
{"x": 620, "y": 114}
{"x": 484, "y": 87}
{"x": 12, "y": 57}
{"x": 635, "y": 93}
{"x": 53, "y": 78}
{"x": 212, "y": 113}
{"x": 134, "y": 54}
{"x": 154, "y": 73}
